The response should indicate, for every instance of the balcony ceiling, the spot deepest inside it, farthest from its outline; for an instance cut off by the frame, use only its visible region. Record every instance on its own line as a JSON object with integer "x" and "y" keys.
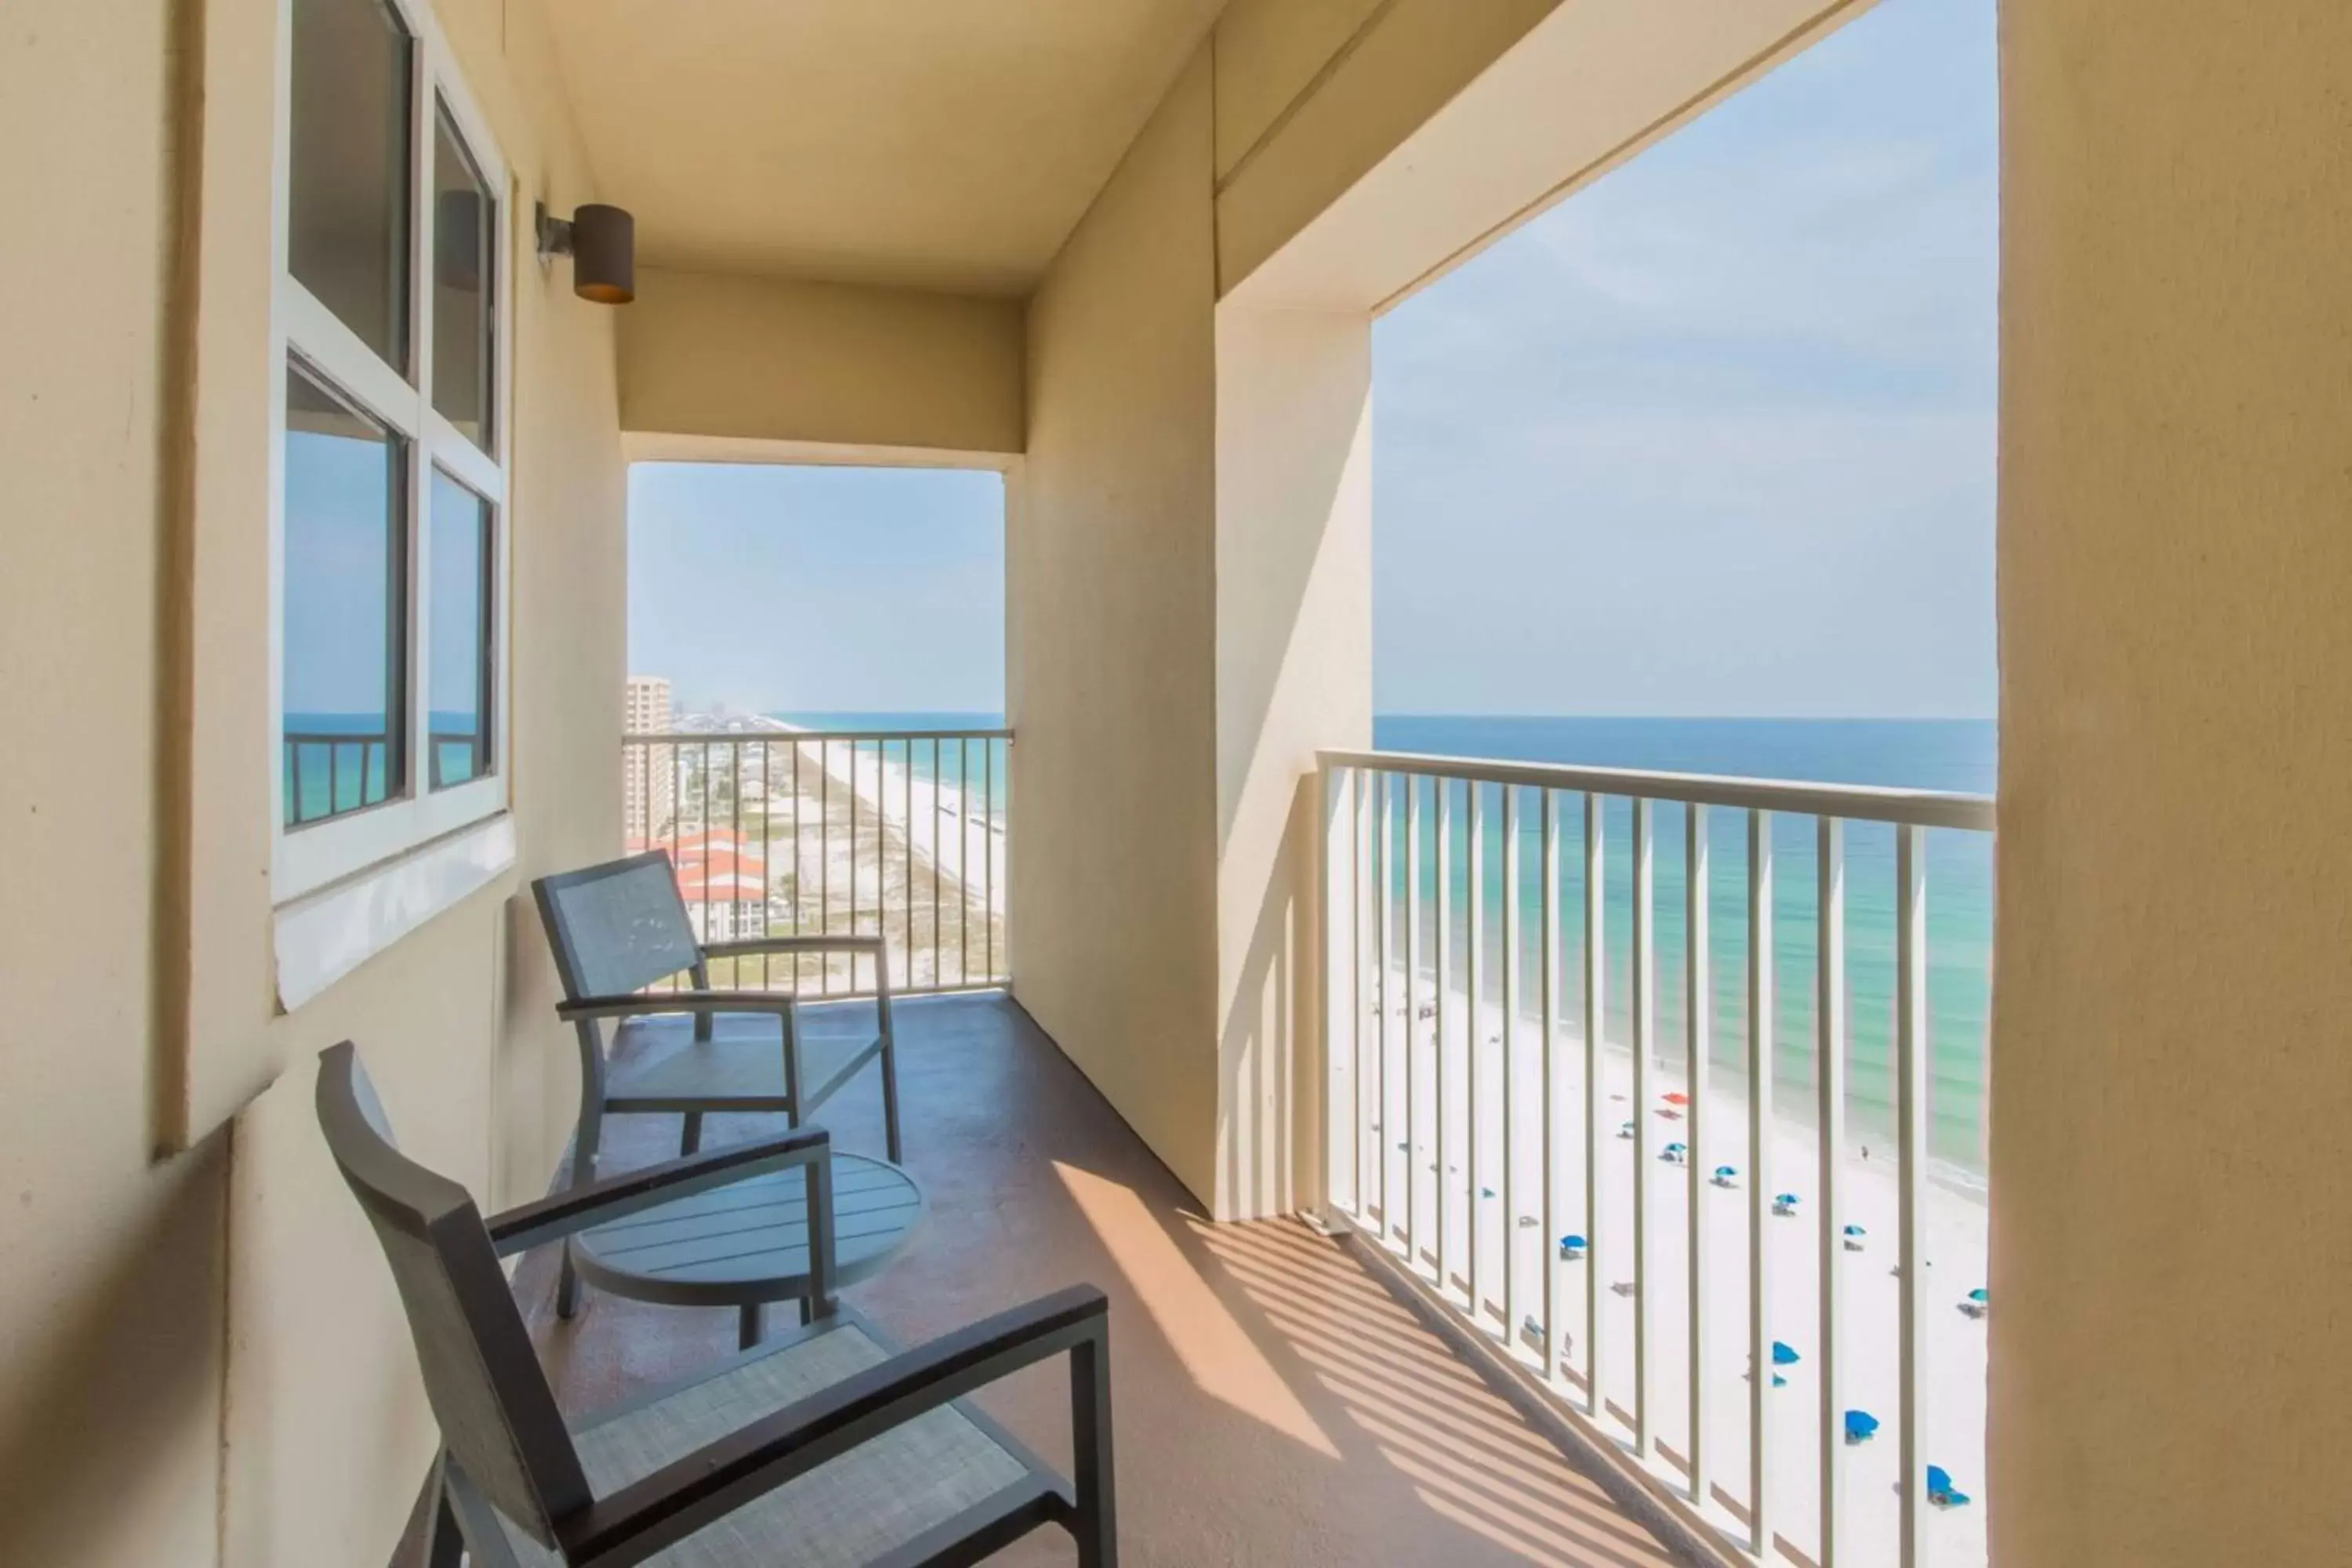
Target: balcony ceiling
{"x": 932, "y": 143}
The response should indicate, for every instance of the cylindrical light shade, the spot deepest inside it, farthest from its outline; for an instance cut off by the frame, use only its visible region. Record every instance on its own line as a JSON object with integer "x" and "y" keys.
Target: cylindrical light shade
{"x": 604, "y": 255}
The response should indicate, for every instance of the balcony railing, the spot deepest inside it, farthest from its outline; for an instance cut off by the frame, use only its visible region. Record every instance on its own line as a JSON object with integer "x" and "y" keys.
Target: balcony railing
{"x": 897, "y": 833}
{"x": 1634, "y": 1233}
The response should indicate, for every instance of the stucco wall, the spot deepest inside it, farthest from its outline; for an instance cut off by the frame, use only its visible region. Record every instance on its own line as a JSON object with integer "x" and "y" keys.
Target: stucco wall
{"x": 1110, "y": 643}
{"x": 110, "y": 1301}
{"x": 713, "y": 354}
{"x": 2173, "y": 1081}
{"x": 156, "y": 1307}
{"x": 1294, "y": 673}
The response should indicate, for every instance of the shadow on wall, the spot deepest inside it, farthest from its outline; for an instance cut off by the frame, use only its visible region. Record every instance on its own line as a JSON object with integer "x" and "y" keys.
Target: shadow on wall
{"x": 1270, "y": 1060}
{"x": 110, "y": 1443}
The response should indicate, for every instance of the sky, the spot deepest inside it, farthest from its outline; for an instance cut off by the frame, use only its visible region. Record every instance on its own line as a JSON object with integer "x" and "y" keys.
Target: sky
{"x": 782, "y": 590}
{"x": 1714, "y": 436}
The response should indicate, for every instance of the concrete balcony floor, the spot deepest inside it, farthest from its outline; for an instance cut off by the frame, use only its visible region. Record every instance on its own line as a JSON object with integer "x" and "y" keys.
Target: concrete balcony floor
{"x": 1273, "y": 1404}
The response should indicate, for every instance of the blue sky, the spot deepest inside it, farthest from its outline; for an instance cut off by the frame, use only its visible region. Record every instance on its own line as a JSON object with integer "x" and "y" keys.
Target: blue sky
{"x": 1714, "y": 436}
{"x": 822, "y": 590}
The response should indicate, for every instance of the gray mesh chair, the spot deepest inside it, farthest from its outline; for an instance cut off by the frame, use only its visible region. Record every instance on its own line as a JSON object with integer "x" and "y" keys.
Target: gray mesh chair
{"x": 826, "y": 1447}
{"x": 620, "y": 927}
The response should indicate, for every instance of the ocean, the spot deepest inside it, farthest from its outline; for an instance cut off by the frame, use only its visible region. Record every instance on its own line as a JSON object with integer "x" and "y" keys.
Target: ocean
{"x": 1957, "y": 755}
{"x": 1960, "y": 755}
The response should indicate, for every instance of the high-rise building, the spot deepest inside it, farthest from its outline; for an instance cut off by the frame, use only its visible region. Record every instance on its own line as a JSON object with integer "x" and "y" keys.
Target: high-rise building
{"x": 647, "y": 785}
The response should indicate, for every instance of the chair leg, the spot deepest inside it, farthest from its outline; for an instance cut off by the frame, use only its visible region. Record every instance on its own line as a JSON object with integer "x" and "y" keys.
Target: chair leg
{"x": 890, "y": 1100}
{"x": 690, "y": 1141}
{"x": 445, "y": 1545}
{"x": 583, "y": 1171}
{"x": 749, "y": 1328}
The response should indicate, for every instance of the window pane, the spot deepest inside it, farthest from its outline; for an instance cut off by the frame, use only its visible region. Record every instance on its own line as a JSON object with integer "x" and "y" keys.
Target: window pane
{"x": 346, "y": 584}
{"x": 459, "y": 639}
{"x": 465, "y": 230}
{"x": 348, "y": 239}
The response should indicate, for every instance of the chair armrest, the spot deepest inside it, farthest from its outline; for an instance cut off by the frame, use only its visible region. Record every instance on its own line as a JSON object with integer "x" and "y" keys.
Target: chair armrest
{"x": 641, "y": 1004}
{"x": 752, "y": 946}
{"x": 576, "y": 1208}
{"x": 682, "y": 1497}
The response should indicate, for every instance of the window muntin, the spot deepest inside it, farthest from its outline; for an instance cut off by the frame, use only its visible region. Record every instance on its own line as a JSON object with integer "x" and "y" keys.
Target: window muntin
{"x": 465, "y": 255}
{"x": 348, "y": 218}
{"x": 344, "y": 659}
{"x": 460, "y": 639}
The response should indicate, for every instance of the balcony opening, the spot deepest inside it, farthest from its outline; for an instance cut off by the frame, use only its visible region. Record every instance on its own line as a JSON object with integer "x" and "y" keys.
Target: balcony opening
{"x": 815, "y": 714}
{"x": 1694, "y": 475}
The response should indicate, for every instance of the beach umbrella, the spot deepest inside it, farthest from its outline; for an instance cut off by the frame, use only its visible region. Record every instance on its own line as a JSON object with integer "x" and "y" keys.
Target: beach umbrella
{"x": 1861, "y": 1426}
{"x": 1784, "y": 1354}
{"x": 1854, "y": 1236}
{"x": 1784, "y": 1204}
{"x": 1673, "y": 1154}
{"x": 1625, "y": 1130}
{"x": 1976, "y": 1302}
{"x": 1940, "y": 1490}
{"x": 1572, "y": 1247}
{"x": 1675, "y": 1096}
{"x": 1726, "y": 1175}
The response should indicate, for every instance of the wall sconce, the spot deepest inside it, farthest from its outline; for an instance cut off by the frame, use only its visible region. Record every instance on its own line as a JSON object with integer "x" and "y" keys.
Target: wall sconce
{"x": 602, "y": 243}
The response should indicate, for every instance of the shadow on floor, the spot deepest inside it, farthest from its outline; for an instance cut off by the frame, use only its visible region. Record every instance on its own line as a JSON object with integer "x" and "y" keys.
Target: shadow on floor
{"x": 1274, "y": 1405}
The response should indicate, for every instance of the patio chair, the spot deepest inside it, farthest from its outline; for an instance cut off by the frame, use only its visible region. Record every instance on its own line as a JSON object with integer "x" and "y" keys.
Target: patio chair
{"x": 620, "y": 927}
{"x": 827, "y": 1446}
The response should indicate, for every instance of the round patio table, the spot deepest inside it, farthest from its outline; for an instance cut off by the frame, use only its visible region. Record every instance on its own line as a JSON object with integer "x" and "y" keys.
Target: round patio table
{"x": 747, "y": 1243}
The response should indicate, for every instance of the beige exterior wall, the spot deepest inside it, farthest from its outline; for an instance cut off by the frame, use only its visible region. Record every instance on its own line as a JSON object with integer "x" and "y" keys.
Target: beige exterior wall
{"x": 1110, "y": 643}
{"x": 1294, "y": 673}
{"x": 770, "y": 359}
{"x": 158, "y": 1307}
{"x": 110, "y": 1302}
{"x": 2171, "y": 1380}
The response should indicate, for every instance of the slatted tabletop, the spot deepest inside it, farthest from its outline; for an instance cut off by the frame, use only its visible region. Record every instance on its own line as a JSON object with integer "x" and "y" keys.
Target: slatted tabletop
{"x": 747, "y": 1243}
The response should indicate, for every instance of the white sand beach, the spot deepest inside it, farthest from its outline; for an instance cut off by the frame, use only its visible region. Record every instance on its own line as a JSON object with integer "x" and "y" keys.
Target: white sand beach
{"x": 1954, "y": 1248}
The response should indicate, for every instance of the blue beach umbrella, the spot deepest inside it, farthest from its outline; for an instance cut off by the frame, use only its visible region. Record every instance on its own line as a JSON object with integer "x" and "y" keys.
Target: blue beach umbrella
{"x": 1784, "y": 1354}
{"x": 1940, "y": 1490}
{"x": 1571, "y": 1248}
{"x": 1854, "y": 1237}
{"x": 1861, "y": 1426}
{"x": 1726, "y": 1175}
{"x": 1675, "y": 1153}
{"x": 1784, "y": 1204}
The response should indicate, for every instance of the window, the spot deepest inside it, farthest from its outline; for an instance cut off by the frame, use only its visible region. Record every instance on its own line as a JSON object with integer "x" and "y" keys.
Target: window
{"x": 389, "y": 536}
{"x": 460, "y": 639}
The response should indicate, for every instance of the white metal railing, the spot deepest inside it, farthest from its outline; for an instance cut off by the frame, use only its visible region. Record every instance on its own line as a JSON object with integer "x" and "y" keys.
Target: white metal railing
{"x": 900, "y": 833}
{"x": 1467, "y": 1121}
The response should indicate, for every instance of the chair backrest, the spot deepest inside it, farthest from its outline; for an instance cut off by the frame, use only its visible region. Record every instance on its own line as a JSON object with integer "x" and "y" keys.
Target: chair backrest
{"x": 619, "y": 927}
{"x": 497, "y": 1415}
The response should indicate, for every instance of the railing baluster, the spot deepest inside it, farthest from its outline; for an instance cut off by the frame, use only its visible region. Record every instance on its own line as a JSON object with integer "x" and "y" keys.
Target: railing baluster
{"x": 1829, "y": 1081}
{"x": 1475, "y": 1040}
{"x": 988, "y": 827}
{"x": 1384, "y": 924}
{"x": 1513, "y": 929}
{"x": 1911, "y": 1120}
{"x": 1444, "y": 989}
{"x": 963, "y": 862}
{"x": 1646, "y": 1002}
{"x": 1547, "y": 931}
{"x": 1596, "y": 1018}
{"x": 1339, "y": 789}
{"x": 1759, "y": 1148}
{"x": 1698, "y": 983}
{"x": 1367, "y": 985}
{"x": 1413, "y": 1136}
{"x": 938, "y": 846}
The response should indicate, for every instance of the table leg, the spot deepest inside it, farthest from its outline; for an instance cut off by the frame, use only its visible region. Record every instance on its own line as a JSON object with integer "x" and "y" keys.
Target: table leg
{"x": 750, "y": 1332}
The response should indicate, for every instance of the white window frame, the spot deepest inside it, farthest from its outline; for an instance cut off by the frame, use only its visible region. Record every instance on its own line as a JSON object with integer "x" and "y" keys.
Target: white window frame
{"x": 316, "y": 855}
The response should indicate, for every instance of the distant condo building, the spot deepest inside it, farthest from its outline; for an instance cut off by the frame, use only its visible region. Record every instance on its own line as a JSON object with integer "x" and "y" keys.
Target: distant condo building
{"x": 646, "y": 784}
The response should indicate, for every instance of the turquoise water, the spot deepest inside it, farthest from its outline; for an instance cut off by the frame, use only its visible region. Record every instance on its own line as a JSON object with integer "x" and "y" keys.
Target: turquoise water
{"x": 1957, "y": 755}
